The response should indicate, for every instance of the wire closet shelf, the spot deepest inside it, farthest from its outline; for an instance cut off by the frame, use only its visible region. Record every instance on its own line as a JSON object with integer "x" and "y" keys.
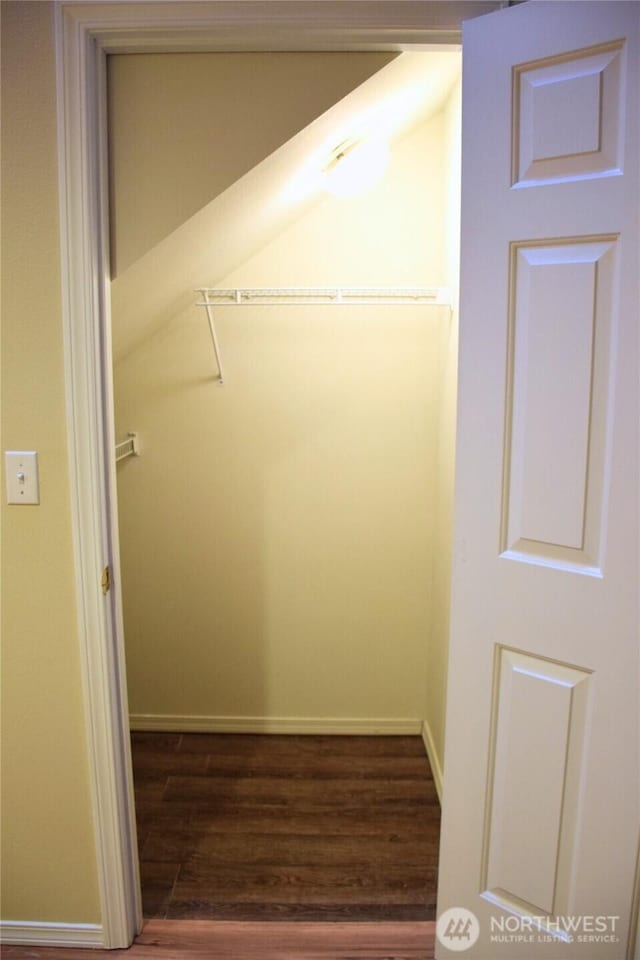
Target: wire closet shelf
{"x": 211, "y": 297}
{"x": 128, "y": 448}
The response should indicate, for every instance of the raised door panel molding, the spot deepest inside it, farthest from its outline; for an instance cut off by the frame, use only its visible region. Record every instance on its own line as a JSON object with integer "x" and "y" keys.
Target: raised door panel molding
{"x": 557, "y": 402}
{"x": 566, "y": 117}
{"x": 538, "y": 731}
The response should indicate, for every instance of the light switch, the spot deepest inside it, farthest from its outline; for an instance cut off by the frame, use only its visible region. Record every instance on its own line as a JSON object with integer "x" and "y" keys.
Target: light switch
{"x": 22, "y": 476}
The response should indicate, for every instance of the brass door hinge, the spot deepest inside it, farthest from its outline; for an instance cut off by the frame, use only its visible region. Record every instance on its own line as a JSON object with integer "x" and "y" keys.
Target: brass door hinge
{"x": 105, "y": 580}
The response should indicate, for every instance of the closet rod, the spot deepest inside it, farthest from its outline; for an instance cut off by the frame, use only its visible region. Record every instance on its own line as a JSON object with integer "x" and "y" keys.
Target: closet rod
{"x": 328, "y": 296}
{"x": 128, "y": 448}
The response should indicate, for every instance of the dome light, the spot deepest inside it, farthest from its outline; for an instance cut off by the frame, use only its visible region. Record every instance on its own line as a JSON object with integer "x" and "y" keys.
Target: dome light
{"x": 355, "y": 166}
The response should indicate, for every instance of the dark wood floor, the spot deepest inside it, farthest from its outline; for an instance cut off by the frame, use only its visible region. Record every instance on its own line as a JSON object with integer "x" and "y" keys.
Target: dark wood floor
{"x": 202, "y": 940}
{"x": 282, "y": 828}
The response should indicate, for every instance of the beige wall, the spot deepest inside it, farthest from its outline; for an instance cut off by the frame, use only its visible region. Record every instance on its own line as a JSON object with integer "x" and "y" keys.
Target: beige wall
{"x": 276, "y": 532}
{"x": 48, "y": 864}
{"x": 168, "y": 162}
{"x": 448, "y": 366}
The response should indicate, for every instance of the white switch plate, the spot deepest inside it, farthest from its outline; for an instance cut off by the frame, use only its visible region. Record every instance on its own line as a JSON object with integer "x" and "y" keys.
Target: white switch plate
{"x": 22, "y": 476}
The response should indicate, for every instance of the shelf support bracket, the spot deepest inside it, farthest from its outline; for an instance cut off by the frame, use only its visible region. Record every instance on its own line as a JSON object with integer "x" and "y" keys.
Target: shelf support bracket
{"x": 214, "y": 339}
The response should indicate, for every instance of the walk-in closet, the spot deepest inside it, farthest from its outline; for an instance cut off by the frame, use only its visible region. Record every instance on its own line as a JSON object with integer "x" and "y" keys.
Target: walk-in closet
{"x": 284, "y": 260}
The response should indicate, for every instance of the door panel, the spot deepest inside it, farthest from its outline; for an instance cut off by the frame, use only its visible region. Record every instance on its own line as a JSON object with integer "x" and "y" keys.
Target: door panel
{"x": 566, "y": 116}
{"x": 536, "y": 748}
{"x": 559, "y": 335}
{"x": 540, "y": 814}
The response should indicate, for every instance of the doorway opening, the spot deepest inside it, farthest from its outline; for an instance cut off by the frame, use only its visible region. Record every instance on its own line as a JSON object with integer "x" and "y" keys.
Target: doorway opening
{"x": 81, "y": 43}
{"x": 285, "y": 537}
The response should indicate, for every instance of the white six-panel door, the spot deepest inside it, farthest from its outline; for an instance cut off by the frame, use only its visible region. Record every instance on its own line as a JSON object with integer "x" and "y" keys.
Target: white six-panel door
{"x": 541, "y": 766}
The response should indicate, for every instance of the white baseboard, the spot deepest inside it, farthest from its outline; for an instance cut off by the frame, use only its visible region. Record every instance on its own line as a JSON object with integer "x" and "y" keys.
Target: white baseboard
{"x": 434, "y": 760}
{"x": 33, "y": 933}
{"x": 318, "y": 725}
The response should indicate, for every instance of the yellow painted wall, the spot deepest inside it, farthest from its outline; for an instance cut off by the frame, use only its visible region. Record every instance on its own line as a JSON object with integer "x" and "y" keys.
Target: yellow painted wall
{"x": 48, "y": 863}
{"x": 167, "y": 161}
{"x": 276, "y": 532}
{"x": 448, "y": 366}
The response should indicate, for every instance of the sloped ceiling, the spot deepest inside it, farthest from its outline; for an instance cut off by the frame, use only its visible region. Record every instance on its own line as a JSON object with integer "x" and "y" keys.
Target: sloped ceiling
{"x": 185, "y": 126}
{"x": 229, "y": 229}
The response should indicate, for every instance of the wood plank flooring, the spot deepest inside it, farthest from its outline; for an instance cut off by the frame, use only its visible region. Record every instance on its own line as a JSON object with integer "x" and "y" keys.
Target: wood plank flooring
{"x": 286, "y": 828}
{"x": 202, "y": 940}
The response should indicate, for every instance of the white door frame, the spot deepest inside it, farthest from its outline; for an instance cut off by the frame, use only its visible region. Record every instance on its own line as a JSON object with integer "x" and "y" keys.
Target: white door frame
{"x": 85, "y": 33}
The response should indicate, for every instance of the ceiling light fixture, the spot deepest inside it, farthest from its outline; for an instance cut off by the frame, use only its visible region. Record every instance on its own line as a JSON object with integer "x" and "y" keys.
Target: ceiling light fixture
{"x": 355, "y": 166}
